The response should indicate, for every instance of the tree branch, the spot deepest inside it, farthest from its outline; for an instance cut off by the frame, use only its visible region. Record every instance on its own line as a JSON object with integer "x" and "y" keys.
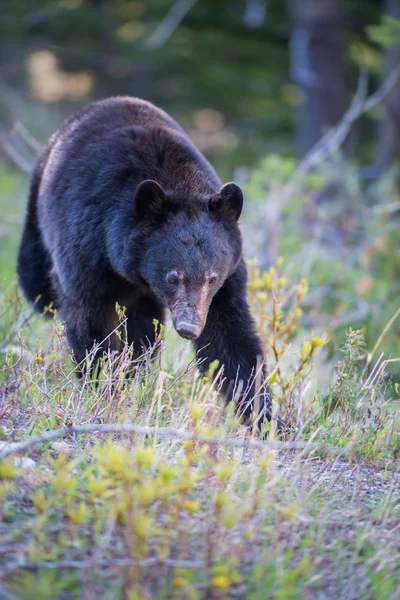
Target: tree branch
{"x": 169, "y": 24}
{"x": 334, "y": 138}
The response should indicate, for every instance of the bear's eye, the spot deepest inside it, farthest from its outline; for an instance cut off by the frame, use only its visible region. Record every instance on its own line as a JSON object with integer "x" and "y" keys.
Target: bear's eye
{"x": 173, "y": 278}
{"x": 212, "y": 280}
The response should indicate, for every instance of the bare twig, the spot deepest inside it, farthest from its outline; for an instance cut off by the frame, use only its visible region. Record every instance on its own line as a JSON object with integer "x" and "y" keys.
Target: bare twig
{"x": 15, "y": 326}
{"x": 21, "y": 162}
{"x": 169, "y": 24}
{"x": 14, "y": 447}
{"x": 6, "y": 595}
{"x": 384, "y": 209}
{"x": 334, "y": 138}
{"x": 27, "y": 137}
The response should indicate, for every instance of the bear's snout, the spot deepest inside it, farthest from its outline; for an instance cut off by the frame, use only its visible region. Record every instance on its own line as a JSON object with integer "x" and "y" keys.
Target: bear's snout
{"x": 188, "y": 330}
{"x": 189, "y": 323}
{"x": 190, "y": 309}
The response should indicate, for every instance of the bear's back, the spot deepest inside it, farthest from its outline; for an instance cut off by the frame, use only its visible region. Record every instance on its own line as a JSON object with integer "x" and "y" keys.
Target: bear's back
{"x": 101, "y": 117}
{"x": 90, "y": 131}
{"x": 121, "y": 140}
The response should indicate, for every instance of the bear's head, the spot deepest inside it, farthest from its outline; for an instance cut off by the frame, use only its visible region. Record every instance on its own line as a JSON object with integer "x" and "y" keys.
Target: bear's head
{"x": 189, "y": 249}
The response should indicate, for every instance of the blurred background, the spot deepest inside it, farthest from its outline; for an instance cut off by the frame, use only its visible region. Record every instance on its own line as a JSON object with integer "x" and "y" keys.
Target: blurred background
{"x": 258, "y": 84}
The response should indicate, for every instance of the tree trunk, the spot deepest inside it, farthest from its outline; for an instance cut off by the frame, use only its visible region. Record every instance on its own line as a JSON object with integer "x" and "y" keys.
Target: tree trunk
{"x": 389, "y": 127}
{"x": 316, "y": 54}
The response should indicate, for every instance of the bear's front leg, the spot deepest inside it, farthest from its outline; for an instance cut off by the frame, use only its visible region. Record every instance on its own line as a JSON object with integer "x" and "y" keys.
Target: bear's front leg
{"x": 86, "y": 327}
{"x": 229, "y": 336}
{"x": 141, "y": 327}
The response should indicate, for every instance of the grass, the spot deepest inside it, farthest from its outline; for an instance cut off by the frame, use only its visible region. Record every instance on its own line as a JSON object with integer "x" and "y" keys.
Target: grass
{"x": 197, "y": 507}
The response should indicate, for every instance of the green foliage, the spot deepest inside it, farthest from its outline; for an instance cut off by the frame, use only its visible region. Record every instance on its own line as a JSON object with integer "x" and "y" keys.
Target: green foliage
{"x": 272, "y": 580}
{"x": 387, "y": 33}
{"x": 344, "y": 242}
{"x": 346, "y": 388}
{"x": 277, "y": 305}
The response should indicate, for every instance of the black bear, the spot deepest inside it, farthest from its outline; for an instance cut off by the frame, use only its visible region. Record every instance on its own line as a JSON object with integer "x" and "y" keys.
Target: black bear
{"x": 124, "y": 208}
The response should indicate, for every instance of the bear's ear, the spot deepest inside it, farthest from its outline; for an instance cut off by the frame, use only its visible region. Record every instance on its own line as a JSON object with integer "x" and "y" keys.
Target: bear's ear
{"x": 150, "y": 200}
{"x": 227, "y": 202}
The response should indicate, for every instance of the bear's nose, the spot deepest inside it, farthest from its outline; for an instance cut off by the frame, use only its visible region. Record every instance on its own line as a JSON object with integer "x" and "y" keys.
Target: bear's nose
{"x": 188, "y": 330}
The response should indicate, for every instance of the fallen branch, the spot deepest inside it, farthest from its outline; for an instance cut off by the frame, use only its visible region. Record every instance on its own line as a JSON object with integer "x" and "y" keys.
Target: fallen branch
{"x": 14, "y": 447}
{"x": 123, "y": 563}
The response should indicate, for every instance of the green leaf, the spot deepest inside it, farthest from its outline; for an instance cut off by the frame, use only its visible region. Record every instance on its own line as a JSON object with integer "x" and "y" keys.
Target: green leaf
{"x": 387, "y": 33}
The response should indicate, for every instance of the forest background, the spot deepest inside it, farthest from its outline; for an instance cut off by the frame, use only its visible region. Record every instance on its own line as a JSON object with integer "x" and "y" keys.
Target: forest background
{"x": 148, "y": 487}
